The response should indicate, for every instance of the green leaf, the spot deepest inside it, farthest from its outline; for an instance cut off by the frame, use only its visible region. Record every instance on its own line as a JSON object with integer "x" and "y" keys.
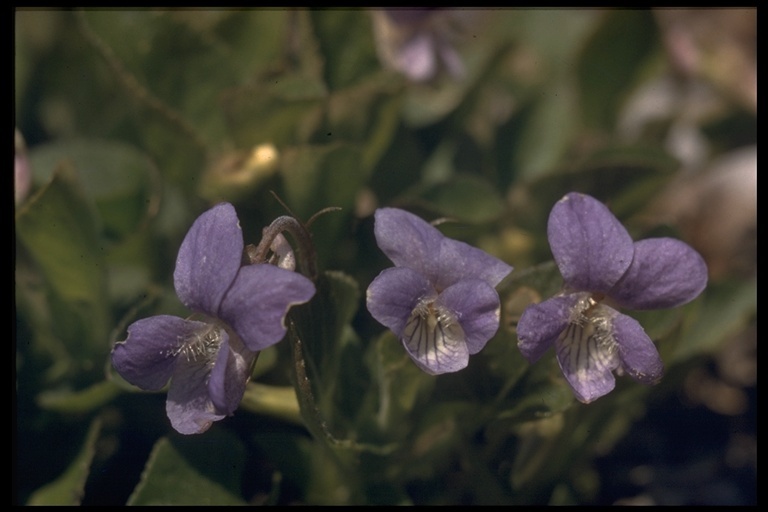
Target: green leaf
{"x": 625, "y": 177}
{"x": 722, "y": 310}
{"x": 69, "y": 488}
{"x": 78, "y": 402}
{"x": 198, "y": 470}
{"x": 399, "y": 389}
{"x": 611, "y": 61}
{"x": 117, "y": 177}
{"x": 323, "y": 327}
{"x": 346, "y": 44}
{"x": 276, "y": 401}
{"x": 464, "y": 197}
{"x": 283, "y": 110}
{"x": 316, "y": 177}
{"x": 366, "y": 113}
{"x": 547, "y": 132}
{"x": 58, "y": 227}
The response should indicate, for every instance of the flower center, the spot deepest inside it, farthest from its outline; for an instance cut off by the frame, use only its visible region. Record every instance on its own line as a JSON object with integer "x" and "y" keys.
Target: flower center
{"x": 587, "y": 346}
{"x": 202, "y": 344}
{"x": 432, "y": 333}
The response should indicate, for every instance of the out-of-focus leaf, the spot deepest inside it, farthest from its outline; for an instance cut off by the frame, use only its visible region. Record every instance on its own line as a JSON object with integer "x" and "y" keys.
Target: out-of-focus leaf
{"x": 317, "y": 177}
{"x": 58, "y": 227}
{"x": 435, "y": 437}
{"x": 625, "y": 177}
{"x": 720, "y": 311}
{"x": 279, "y": 402}
{"x": 323, "y": 328}
{"x": 366, "y": 113}
{"x": 464, "y": 197}
{"x": 199, "y": 470}
{"x": 547, "y": 133}
{"x": 69, "y": 488}
{"x": 611, "y": 61}
{"x": 281, "y": 110}
{"x": 400, "y": 387}
{"x": 542, "y": 393}
{"x": 117, "y": 177}
{"x": 78, "y": 402}
{"x": 347, "y": 58}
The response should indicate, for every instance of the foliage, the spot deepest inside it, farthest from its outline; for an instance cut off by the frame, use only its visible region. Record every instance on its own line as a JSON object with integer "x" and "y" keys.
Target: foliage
{"x": 136, "y": 121}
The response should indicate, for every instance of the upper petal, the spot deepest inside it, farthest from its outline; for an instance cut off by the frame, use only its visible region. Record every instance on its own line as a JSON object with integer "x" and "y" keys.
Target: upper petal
{"x": 458, "y": 260}
{"x": 408, "y": 240}
{"x": 208, "y": 259}
{"x": 260, "y": 297}
{"x": 476, "y": 306}
{"x": 638, "y": 354}
{"x": 230, "y": 374}
{"x": 148, "y": 355}
{"x": 541, "y": 324}
{"x": 591, "y": 247}
{"x": 664, "y": 273}
{"x": 394, "y": 293}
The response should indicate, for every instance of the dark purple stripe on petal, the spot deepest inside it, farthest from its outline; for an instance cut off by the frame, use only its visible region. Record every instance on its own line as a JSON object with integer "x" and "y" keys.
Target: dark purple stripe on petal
{"x": 587, "y": 361}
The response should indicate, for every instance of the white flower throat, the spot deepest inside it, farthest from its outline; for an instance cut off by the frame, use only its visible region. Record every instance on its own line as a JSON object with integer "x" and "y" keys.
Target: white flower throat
{"x": 201, "y": 345}
{"x": 432, "y": 333}
{"x": 588, "y": 345}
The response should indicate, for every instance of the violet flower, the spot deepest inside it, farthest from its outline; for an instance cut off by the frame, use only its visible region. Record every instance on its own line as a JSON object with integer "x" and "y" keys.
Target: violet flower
{"x": 419, "y": 42}
{"x": 238, "y": 310}
{"x": 439, "y": 299}
{"x": 603, "y": 268}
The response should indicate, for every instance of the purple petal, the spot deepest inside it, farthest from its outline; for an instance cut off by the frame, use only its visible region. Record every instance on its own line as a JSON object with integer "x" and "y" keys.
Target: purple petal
{"x": 189, "y": 405}
{"x": 208, "y": 259}
{"x": 260, "y": 297}
{"x": 458, "y": 260}
{"x": 639, "y": 356}
{"x": 587, "y": 361}
{"x": 416, "y": 57}
{"x": 147, "y": 357}
{"x": 476, "y": 305}
{"x": 664, "y": 273}
{"x": 541, "y": 324}
{"x": 230, "y": 374}
{"x": 408, "y": 240}
{"x": 393, "y": 295}
{"x": 591, "y": 247}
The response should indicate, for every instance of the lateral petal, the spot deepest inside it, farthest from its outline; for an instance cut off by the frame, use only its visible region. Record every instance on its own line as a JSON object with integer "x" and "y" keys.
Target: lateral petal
{"x": 147, "y": 357}
{"x": 664, "y": 273}
{"x": 260, "y": 297}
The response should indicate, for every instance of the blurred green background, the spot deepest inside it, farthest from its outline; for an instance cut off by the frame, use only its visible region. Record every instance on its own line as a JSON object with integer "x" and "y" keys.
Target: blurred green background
{"x": 130, "y": 123}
